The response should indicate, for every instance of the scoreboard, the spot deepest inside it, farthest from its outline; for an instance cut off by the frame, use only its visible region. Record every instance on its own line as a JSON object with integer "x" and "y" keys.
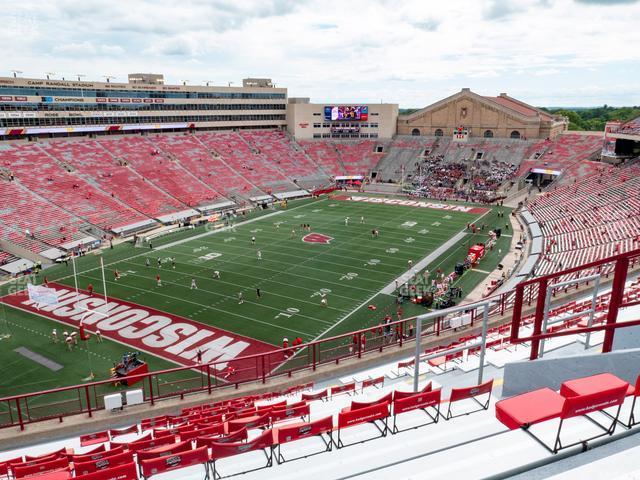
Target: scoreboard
{"x": 346, "y": 112}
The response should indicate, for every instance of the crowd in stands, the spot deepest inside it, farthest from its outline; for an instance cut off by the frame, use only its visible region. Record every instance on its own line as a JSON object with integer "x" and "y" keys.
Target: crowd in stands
{"x": 476, "y": 181}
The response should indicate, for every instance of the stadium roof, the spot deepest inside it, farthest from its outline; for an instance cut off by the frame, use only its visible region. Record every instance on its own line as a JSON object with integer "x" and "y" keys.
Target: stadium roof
{"x": 518, "y": 106}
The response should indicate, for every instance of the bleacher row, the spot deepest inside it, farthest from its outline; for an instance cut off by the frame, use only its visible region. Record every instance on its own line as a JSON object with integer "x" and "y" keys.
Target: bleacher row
{"x": 210, "y": 433}
{"x": 589, "y": 219}
{"x": 109, "y": 183}
{"x": 267, "y": 431}
{"x": 6, "y": 257}
{"x": 630, "y": 128}
{"x": 561, "y": 153}
{"x": 58, "y": 190}
{"x": 499, "y": 349}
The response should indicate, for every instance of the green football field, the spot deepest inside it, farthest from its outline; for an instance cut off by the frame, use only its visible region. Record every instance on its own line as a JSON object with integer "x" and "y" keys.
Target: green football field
{"x": 350, "y": 270}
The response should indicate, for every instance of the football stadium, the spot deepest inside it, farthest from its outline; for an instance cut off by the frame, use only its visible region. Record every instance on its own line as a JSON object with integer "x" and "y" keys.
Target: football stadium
{"x": 202, "y": 280}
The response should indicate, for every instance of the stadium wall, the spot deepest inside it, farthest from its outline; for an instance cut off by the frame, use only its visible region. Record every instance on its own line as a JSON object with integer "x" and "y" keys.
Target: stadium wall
{"x": 498, "y": 117}
{"x": 524, "y": 376}
{"x": 306, "y": 121}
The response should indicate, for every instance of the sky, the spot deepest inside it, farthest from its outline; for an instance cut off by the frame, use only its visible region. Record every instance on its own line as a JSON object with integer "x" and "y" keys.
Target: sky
{"x": 414, "y": 53}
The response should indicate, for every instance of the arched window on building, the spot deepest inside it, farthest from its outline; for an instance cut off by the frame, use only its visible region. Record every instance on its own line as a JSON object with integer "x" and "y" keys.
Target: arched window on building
{"x": 515, "y": 134}
{"x": 439, "y": 132}
{"x": 488, "y": 134}
{"x": 415, "y": 132}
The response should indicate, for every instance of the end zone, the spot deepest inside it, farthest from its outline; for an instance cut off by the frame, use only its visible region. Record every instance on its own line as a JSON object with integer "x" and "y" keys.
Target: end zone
{"x": 167, "y": 336}
{"x": 413, "y": 203}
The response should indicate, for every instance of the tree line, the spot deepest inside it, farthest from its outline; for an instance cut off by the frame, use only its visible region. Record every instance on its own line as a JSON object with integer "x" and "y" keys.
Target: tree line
{"x": 594, "y": 119}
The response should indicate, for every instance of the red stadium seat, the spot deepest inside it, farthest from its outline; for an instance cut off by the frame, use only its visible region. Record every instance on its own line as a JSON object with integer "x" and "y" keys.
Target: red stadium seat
{"x": 84, "y": 468}
{"x": 127, "y": 471}
{"x": 525, "y": 410}
{"x": 470, "y": 393}
{"x": 376, "y": 415}
{"x": 424, "y": 401}
{"x": 299, "y": 431}
{"x": 154, "y": 466}
{"x": 264, "y": 442}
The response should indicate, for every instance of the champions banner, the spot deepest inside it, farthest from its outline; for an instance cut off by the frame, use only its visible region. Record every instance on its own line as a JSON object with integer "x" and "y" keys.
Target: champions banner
{"x": 162, "y": 334}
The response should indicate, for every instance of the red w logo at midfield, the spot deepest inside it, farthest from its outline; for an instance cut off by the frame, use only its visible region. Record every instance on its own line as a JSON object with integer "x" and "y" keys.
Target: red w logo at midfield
{"x": 317, "y": 238}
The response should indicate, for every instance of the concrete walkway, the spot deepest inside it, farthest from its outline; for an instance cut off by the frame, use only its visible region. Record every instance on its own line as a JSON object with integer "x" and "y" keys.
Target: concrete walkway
{"x": 422, "y": 264}
{"x": 510, "y": 262}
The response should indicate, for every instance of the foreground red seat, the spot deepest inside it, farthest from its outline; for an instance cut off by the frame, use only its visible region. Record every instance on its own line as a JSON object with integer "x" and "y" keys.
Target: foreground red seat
{"x": 427, "y": 401}
{"x": 299, "y": 431}
{"x": 154, "y": 466}
{"x": 84, "y": 468}
{"x": 375, "y": 413}
{"x": 263, "y": 442}
{"x": 470, "y": 393}
{"x": 525, "y": 410}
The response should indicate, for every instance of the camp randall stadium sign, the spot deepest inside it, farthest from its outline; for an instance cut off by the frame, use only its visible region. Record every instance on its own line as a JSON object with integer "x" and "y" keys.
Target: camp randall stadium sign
{"x": 143, "y": 328}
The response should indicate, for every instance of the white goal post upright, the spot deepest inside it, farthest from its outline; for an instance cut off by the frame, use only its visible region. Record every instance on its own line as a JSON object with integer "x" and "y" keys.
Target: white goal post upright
{"x": 75, "y": 273}
{"x": 89, "y": 311}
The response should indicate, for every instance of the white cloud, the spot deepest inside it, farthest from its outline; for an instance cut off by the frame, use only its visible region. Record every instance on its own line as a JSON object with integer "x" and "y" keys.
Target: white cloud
{"x": 83, "y": 48}
{"x": 362, "y": 50}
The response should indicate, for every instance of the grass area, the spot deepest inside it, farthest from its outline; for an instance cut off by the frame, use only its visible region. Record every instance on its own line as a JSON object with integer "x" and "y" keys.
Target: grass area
{"x": 352, "y": 268}
{"x": 19, "y": 374}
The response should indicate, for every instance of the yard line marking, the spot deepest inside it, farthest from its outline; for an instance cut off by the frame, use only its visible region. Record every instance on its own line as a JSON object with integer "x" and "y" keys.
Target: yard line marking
{"x": 244, "y": 287}
{"x": 392, "y": 284}
{"x": 422, "y": 264}
{"x": 272, "y": 257}
{"x": 188, "y": 239}
{"x": 156, "y": 292}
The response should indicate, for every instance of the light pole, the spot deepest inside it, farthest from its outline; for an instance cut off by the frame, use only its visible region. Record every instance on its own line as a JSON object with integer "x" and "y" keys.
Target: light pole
{"x": 108, "y": 77}
{"x": 16, "y": 73}
{"x": 49, "y": 74}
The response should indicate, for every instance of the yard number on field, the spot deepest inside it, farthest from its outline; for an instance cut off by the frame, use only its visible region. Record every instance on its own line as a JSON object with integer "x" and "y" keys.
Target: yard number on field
{"x": 349, "y": 276}
{"x": 210, "y": 256}
{"x": 322, "y": 291}
{"x": 409, "y": 224}
{"x": 391, "y": 250}
{"x": 289, "y": 312}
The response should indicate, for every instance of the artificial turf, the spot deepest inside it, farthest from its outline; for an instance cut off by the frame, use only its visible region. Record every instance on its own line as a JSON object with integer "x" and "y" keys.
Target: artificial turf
{"x": 351, "y": 269}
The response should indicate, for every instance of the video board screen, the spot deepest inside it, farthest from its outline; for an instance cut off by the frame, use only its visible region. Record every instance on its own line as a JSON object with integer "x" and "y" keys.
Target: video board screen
{"x": 346, "y": 112}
